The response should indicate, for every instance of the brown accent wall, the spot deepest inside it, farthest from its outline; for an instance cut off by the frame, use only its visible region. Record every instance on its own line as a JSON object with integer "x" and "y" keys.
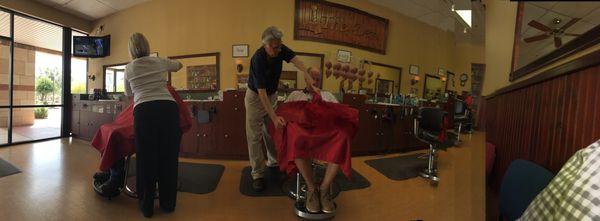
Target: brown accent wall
{"x": 547, "y": 118}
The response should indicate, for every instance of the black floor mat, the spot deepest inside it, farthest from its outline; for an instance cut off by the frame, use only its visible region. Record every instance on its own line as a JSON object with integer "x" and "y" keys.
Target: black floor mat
{"x": 198, "y": 178}
{"x": 357, "y": 181}
{"x": 399, "y": 168}
{"x": 276, "y": 180}
{"x": 7, "y": 169}
{"x": 273, "y": 178}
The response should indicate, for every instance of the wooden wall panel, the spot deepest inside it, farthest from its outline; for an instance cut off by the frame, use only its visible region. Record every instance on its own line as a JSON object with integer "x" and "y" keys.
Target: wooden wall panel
{"x": 546, "y": 121}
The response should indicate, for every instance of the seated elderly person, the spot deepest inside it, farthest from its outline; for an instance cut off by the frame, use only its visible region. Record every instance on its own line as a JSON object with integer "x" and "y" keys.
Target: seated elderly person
{"x": 317, "y": 128}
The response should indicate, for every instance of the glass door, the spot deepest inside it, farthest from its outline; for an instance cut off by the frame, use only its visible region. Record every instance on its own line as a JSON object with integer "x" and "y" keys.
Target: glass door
{"x": 5, "y": 59}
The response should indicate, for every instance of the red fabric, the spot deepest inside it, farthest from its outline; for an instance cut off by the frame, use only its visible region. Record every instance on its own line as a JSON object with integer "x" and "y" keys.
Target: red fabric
{"x": 115, "y": 140}
{"x": 318, "y": 130}
{"x": 469, "y": 100}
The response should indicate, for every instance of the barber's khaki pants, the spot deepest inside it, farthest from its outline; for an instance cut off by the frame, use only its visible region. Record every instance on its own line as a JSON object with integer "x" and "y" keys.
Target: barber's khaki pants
{"x": 256, "y": 131}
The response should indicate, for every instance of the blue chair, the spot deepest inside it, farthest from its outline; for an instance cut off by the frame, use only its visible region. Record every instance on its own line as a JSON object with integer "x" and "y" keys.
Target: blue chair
{"x": 522, "y": 182}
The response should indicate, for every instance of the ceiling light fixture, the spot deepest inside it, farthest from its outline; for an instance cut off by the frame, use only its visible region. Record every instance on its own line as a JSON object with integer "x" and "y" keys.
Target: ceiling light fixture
{"x": 465, "y": 16}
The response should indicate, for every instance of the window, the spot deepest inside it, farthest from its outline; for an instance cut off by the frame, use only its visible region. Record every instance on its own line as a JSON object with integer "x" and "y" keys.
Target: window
{"x": 79, "y": 68}
{"x": 114, "y": 78}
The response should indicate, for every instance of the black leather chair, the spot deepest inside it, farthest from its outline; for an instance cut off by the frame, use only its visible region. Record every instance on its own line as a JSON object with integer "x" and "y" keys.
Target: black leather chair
{"x": 461, "y": 117}
{"x": 429, "y": 127}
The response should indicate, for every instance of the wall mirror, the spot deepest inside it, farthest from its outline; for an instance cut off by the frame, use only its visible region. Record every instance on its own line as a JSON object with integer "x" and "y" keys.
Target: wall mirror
{"x": 293, "y": 79}
{"x": 384, "y": 87}
{"x": 385, "y": 72}
{"x": 434, "y": 87}
{"x": 200, "y": 73}
{"x": 548, "y": 31}
{"x": 114, "y": 78}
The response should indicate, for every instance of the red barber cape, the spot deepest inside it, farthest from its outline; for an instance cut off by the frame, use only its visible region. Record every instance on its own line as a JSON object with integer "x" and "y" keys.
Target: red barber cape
{"x": 115, "y": 140}
{"x": 315, "y": 129}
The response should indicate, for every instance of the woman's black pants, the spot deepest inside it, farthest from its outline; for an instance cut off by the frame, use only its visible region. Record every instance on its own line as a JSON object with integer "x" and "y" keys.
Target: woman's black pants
{"x": 157, "y": 140}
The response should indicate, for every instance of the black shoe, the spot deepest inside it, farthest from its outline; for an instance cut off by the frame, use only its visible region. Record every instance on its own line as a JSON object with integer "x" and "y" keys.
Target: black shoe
{"x": 148, "y": 213}
{"x": 259, "y": 184}
{"x": 147, "y": 208}
{"x": 110, "y": 188}
{"x": 101, "y": 176}
{"x": 167, "y": 209}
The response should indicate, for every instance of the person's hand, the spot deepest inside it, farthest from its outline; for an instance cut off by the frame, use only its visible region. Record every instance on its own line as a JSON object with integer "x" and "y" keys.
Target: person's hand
{"x": 279, "y": 122}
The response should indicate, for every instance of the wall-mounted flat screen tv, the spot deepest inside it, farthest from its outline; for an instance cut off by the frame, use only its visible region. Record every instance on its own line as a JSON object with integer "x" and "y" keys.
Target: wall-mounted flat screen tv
{"x": 91, "y": 47}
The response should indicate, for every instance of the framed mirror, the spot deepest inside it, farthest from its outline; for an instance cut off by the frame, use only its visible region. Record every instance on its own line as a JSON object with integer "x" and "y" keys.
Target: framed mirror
{"x": 293, "y": 79}
{"x": 114, "y": 78}
{"x": 388, "y": 73}
{"x": 200, "y": 73}
{"x": 546, "y": 32}
{"x": 384, "y": 87}
{"x": 434, "y": 87}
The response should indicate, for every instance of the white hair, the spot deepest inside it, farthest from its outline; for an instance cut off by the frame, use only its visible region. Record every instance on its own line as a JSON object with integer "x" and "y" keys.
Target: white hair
{"x": 138, "y": 46}
{"x": 271, "y": 33}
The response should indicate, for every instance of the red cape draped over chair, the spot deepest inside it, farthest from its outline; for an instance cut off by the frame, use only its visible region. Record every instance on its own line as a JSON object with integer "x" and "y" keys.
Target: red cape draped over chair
{"x": 115, "y": 140}
{"x": 316, "y": 129}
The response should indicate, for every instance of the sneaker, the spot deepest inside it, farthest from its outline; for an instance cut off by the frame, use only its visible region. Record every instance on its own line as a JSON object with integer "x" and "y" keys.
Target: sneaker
{"x": 312, "y": 201}
{"x": 259, "y": 184}
{"x": 327, "y": 205}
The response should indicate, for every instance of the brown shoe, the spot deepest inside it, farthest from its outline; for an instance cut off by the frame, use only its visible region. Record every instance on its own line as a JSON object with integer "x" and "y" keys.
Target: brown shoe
{"x": 327, "y": 205}
{"x": 312, "y": 201}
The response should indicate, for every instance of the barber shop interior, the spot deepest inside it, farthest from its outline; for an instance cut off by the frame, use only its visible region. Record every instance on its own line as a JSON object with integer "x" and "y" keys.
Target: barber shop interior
{"x": 416, "y": 110}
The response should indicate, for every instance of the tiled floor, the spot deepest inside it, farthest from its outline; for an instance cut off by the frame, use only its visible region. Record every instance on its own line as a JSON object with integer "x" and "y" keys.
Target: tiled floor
{"x": 56, "y": 185}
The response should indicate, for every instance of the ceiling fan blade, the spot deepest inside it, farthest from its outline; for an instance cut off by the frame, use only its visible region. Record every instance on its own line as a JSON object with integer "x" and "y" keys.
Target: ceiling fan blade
{"x": 536, "y": 38}
{"x": 557, "y": 42}
{"x": 571, "y": 34}
{"x": 539, "y": 26}
{"x": 570, "y": 23}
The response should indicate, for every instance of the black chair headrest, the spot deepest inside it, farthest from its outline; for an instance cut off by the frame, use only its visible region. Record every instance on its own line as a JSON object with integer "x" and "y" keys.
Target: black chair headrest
{"x": 431, "y": 119}
{"x": 460, "y": 107}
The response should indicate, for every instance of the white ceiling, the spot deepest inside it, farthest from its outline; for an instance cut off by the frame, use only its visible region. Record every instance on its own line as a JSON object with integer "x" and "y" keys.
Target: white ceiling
{"x": 91, "y": 9}
{"x": 438, "y": 13}
{"x": 545, "y": 12}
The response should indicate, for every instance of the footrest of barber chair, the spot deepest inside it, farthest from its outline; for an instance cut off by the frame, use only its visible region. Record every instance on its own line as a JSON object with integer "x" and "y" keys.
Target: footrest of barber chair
{"x": 289, "y": 187}
{"x": 300, "y": 210}
{"x": 129, "y": 188}
{"x": 96, "y": 185}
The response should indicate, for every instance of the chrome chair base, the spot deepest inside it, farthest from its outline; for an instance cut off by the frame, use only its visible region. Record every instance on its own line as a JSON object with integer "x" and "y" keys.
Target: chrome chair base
{"x": 301, "y": 212}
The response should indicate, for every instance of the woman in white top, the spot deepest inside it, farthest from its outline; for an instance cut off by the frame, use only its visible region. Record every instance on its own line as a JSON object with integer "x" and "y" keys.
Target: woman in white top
{"x": 156, "y": 125}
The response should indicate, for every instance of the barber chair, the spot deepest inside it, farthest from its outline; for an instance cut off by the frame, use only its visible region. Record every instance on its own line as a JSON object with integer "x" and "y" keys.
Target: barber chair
{"x": 461, "y": 117}
{"x": 128, "y": 186}
{"x": 429, "y": 125}
{"x": 296, "y": 189}
{"x": 129, "y": 182}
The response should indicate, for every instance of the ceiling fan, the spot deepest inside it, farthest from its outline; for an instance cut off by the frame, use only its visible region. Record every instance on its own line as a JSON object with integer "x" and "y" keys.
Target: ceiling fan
{"x": 557, "y": 33}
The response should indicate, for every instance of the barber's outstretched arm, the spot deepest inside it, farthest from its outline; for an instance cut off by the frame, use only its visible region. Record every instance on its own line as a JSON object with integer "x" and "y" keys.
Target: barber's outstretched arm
{"x": 300, "y": 65}
{"x": 264, "y": 100}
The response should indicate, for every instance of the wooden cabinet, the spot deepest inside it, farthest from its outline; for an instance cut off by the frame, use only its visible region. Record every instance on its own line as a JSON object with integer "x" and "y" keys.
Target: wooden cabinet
{"x": 232, "y": 130}
{"x": 224, "y": 136}
{"x": 88, "y": 116}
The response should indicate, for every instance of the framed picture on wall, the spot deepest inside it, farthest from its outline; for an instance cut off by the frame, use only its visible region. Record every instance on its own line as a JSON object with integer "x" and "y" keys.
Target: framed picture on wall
{"x": 441, "y": 72}
{"x": 413, "y": 69}
{"x": 240, "y": 50}
{"x": 344, "y": 56}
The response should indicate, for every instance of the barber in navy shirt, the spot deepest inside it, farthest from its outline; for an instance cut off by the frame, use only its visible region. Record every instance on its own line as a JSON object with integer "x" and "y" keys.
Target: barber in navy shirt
{"x": 261, "y": 98}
